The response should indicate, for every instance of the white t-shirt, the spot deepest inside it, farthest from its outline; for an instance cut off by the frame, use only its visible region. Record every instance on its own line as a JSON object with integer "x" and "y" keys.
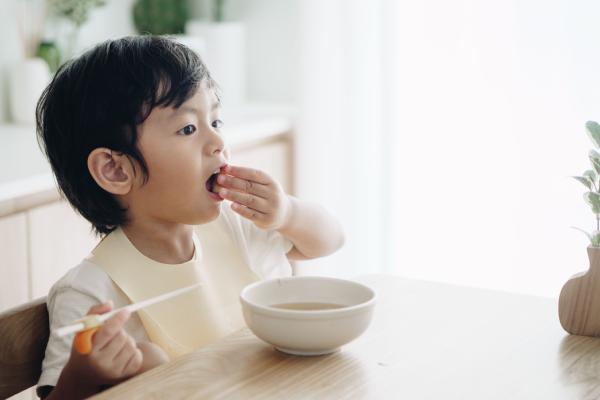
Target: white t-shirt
{"x": 88, "y": 284}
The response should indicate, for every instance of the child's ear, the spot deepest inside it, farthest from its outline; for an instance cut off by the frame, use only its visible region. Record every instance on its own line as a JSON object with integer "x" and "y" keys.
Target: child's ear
{"x": 111, "y": 170}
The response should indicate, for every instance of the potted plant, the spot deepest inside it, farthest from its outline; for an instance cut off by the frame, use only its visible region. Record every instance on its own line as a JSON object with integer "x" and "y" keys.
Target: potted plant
{"x": 166, "y": 17}
{"x": 225, "y": 51}
{"x": 579, "y": 301}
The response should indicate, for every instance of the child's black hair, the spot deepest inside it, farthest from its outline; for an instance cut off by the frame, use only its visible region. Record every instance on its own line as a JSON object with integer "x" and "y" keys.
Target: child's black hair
{"x": 98, "y": 100}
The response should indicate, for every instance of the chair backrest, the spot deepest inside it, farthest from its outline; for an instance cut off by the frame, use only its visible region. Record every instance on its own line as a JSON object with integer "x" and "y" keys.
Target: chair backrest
{"x": 24, "y": 333}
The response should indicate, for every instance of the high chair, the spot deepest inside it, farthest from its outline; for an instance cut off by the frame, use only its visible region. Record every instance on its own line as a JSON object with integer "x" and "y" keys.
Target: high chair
{"x": 24, "y": 333}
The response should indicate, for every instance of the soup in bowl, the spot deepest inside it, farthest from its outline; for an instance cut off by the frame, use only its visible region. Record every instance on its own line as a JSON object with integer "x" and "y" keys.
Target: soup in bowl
{"x": 307, "y": 315}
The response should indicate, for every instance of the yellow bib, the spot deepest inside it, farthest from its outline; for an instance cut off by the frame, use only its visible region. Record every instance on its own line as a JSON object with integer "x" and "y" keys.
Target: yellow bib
{"x": 194, "y": 319}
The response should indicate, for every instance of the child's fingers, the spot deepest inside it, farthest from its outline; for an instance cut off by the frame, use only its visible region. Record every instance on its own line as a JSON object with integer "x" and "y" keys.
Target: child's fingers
{"x": 250, "y": 174}
{"x": 114, "y": 345}
{"x": 110, "y": 328}
{"x": 244, "y": 185}
{"x": 248, "y": 213}
{"x": 83, "y": 340}
{"x": 134, "y": 363}
{"x": 125, "y": 351}
{"x": 101, "y": 308}
{"x": 125, "y": 354}
{"x": 249, "y": 200}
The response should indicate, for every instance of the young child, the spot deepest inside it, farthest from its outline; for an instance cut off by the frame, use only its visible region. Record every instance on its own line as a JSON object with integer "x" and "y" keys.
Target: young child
{"x": 132, "y": 131}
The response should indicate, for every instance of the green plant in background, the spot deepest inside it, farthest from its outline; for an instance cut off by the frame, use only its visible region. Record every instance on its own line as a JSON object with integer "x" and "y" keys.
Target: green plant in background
{"x": 160, "y": 17}
{"x": 48, "y": 51}
{"x": 76, "y": 11}
{"x": 591, "y": 180}
{"x": 218, "y": 10}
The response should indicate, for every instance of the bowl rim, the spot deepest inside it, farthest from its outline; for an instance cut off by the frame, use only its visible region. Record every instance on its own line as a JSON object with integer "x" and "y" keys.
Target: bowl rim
{"x": 308, "y": 314}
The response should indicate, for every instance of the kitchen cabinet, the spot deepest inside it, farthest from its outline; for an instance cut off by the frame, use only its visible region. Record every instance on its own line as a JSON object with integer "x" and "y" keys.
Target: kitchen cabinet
{"x": 14, "y": 262}
{"x": 59, "y": 239}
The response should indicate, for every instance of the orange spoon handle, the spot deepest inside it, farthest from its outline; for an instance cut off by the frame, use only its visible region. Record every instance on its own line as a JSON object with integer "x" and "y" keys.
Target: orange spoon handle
{"x": 83, "y": 341}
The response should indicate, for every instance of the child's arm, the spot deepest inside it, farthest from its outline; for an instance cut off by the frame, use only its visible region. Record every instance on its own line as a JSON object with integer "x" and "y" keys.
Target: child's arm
{"x": 314, "y": 232}
{"x": 115, "y": 357}
{"x": 259, "y": 198}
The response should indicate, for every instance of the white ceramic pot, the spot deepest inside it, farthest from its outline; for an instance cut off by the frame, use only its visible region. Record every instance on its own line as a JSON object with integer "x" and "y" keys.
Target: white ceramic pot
{"x": 195, "y": 43}
{"x": 27, "y": 81}
{"x": 225, "y": 56}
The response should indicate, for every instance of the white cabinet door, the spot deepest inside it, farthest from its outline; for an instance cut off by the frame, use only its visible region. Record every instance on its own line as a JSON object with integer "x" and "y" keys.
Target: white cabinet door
{"x": 14, "y": 274}
{"x": 59, "y": 239}
{"x": 274, "y": 158}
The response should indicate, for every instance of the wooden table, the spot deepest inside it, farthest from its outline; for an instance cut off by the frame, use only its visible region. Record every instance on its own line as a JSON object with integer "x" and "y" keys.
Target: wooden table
{"x": 427, "y": 341}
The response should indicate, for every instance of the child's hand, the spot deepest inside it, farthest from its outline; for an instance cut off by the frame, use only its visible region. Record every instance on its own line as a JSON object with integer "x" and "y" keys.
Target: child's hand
{"x": 153, "y": 354}
{"x": 114, "y": 356}
{"x": 255, "y": 196}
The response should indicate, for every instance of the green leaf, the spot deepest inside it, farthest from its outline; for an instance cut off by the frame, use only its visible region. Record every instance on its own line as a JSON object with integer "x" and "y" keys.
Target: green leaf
{"x": 591, "y": 175}
{"x": 593, "y": 130}
{"x": 593, "y": 199}
{"x": 585, "y": 180}
{"x": 595, "y": 159}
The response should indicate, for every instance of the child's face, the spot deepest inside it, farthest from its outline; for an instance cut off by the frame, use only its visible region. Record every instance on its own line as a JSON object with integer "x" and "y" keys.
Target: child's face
{"x": 182, "y": 148}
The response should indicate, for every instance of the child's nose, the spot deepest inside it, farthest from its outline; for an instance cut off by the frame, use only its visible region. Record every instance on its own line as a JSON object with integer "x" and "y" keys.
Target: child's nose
{"x": 216, "y": 145}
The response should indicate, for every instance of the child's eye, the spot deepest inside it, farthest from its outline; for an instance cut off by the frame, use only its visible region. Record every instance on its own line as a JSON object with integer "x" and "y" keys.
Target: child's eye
{"x": 217, "y": 124}
{"x": 187, "y": 130}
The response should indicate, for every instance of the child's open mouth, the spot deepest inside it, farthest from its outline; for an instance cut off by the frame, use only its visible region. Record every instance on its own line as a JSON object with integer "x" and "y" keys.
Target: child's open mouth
{"x": 212, "y": 182}
{"x": 211, "y": 186}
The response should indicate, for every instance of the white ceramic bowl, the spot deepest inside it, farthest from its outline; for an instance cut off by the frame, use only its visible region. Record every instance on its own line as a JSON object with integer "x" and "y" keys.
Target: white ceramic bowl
{"x": 307, "y": 332}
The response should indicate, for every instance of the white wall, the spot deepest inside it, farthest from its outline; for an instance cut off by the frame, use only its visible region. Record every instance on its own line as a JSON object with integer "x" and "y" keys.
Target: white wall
{"x": 340, "y": 142}
{"x": 490, "y": 101}
{"x": 460, "y": 171}
{"x": 273, "y": 37}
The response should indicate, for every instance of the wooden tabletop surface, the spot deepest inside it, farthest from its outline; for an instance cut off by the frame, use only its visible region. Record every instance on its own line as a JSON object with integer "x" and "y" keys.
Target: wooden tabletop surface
{"x": 427, "y": 341}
